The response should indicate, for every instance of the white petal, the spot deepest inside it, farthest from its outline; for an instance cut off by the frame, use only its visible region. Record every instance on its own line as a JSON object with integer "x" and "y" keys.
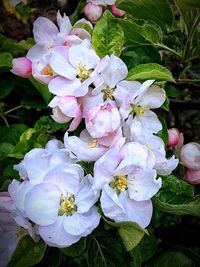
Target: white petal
{"x": 154, "y": 97}
{"x": 42, "y": 203}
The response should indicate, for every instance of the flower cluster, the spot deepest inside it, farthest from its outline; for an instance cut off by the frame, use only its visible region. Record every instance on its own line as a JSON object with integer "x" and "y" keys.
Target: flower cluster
{"x": 119, "y": 138}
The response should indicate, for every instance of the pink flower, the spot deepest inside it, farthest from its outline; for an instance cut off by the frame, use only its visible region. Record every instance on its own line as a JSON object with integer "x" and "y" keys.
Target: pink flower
{"x": 190, "y": 156}
{"x": 93, "y": 12}
{"x": 103, "y": 120}
{"x": 193, "y": 177}
{"x": 116, "y": 11}
{"x": 173, "y": 137}
{"x": 64, "y": 109}
{"x": 22, "y": 67}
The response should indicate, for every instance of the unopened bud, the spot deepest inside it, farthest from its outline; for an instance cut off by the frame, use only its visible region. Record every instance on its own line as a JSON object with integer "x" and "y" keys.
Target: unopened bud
{"x": 190, "y": 156}
{"x": 22, "y": 67}
{"x": 173, "y": 137}
{"x": 193, "y": 177}
{"x": 93, "y": 12}
{"x": 116, "y": 11}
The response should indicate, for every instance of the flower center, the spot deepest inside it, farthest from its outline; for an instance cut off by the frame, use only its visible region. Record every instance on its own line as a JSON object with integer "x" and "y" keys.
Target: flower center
{"x": 20, "y": 231}
{"x": 83, "y": 73}
{"x": 137, "y": 109}
{"x": 47, "y": 70}
{"x": 108, "y": 93}
{"x": 120, "y": 184}
{"x": 93, "y": 144}
{"x": 67, "y": 206}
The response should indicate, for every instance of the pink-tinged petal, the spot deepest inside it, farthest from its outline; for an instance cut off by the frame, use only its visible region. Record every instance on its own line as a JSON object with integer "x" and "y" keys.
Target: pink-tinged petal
{"x": 22, "y": 67}
{"x": 67, "y": 104}
{"x": 116, "y": 11}
{"x": 190, "y": 156}
{"x": 56, "y": 236}
{"x": 58, "y": 116}
{"x": 105, "y": 168}
{"x": 193, "y": 177}
{"x": 111, "y": 139}
{"x": 75, "y": 122}
{"x": 115, "y": 72}
{"x": 89, "y": 101}
{"x": 93, "y": 12}
{"x": 143, "y": 184}
{"x": 154, "y": 97}
{"x": 42, "y": 204}
{"x": 61, "y": 86}
{"x": 64, "y": 24}
{"x": 173, "y": 137}
{"x": 60, "y": 63}
{"x": 149, "y": 121}
{"x": 44, "y": 31}
{"x": 82, "y": 224}
{"x": 83, "y": 55}
{"x": 71, "y": 40}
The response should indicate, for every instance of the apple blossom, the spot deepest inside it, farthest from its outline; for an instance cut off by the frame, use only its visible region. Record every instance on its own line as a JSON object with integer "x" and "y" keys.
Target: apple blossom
{"x": 64, "y": 109}
{"x": 137, "y": 99}
{"x": 62, "y": 205}
{"x": 190, "y": 156}
{"x": 103, "y": 120}
{"x": 76, "y": 67}
{"x": 22, "y": 67}
{"x": 93, "y": 12}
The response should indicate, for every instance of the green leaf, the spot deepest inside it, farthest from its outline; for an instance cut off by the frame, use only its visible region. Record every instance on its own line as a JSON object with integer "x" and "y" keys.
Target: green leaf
{"x": 27, "y": 253}
{"x": 6, "y": 86}
{"x": 5, "y": 60}
{"x": 75, "y": 249}
{"x": 23, "y": 147}
{"x": 5, "y": 185}
{"x": 108, "y": 36}
{"x": 130, "y": 232}
{"x": 12, "y": 134}
{"x": 163, "y": 134}
{"x": 188, "y": 4}
{"x": 191, "y": 207}
{"x": 5, "y": 149}
{"x": 171, "y": 259}
{"x": 150, "y": 71}
{"x": 42, "y": 89}
{"x": 152, "y": 33}
{"x": 165, "y": 105}
{"x": 157, "y": 11}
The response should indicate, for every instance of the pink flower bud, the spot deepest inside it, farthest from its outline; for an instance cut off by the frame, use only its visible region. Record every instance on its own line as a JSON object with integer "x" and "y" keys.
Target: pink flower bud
{"x": 173, "y": 137}
{"x": 190, "y": 156}
{"x": 22, "y": 67}
{"x": 116, "y": 11}
{"x": 193, "y": 177}
{"x": 93, "y": 12}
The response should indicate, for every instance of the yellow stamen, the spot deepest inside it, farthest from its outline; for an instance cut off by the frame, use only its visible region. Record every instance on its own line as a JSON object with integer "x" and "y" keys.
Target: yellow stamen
{"x": 120, "y": 183}
{"x": 47, "y": 70}
{"x": 108, "y": 92}
{"x": 137, "y": 109}
{"x": 67, "y": 206}
{"x": 20, "y": 231}
{"x": 83, "y": 73}
{"x": 93, "y": 144}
